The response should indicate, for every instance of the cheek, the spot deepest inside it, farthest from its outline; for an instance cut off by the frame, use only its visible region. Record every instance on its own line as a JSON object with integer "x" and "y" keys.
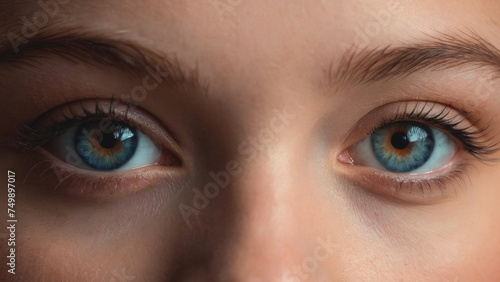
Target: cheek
{"x": 59, "y": 258}
{"x": 481, "y": 244}
{"x": 54, "y": 256}
{"x": 390, "y": 241}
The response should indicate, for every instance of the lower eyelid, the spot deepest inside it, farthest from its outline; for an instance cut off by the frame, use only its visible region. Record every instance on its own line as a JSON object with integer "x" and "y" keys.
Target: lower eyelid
{"x": 88, "y": 186}
{"x": 422, "y": 189}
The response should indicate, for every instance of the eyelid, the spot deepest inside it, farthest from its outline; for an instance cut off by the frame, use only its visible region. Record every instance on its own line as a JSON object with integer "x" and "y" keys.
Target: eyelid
{"x": 391, "y": 185}
{"x": 70, "y": 114}
{"x": 423, "y": 189}
{"x": 422, "y": 112}
{"x": 84, "y": 186}
{"x": 97, "y": 186}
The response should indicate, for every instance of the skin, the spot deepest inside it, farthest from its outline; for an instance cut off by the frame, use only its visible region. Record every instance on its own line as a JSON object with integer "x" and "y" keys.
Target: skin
{"x": 281, "y": 206}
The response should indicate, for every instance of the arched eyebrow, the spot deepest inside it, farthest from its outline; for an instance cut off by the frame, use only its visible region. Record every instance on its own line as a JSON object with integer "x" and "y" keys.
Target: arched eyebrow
{"x": 439, "y": 52}
{"x": 100, "y": 50}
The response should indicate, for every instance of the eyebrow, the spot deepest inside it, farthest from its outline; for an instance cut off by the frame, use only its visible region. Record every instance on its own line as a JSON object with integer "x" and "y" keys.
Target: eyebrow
{"x": 356, "y": 66}
{"x": 98, "y": 50}
{"x": 441, "y": 52}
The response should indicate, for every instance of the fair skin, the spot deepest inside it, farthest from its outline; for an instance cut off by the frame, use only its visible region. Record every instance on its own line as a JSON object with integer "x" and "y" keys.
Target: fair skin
{"x": 265, "y": 114}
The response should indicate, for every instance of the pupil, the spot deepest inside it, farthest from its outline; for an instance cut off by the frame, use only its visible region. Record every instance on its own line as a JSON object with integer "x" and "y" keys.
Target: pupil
{"x": 118, "y": 142}
{"x": 400, "y": 140}
{"x": 108, "y": 141}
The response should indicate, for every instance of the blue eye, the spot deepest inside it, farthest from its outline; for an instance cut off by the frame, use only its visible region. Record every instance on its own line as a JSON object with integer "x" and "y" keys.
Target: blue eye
{"x": 406, "y": 147}
{"x": 105, "y": 149}
{"x": 403, "y": 147}
{"x": 105, "y": 145}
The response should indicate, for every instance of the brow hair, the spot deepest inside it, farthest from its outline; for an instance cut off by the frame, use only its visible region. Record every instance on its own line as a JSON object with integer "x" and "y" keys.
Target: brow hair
{"x": 436, "y": 53}
{"x": 99, "y": 50}
{"x": 356, "y": 66}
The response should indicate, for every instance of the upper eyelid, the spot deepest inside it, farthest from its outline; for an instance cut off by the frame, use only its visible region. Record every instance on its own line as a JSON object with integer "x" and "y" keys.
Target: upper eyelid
{"x": 448, "y": 118}
{"x": 481, "y": 144}
{"x": 381, "y": 181}
{"x": 128, "y": 113}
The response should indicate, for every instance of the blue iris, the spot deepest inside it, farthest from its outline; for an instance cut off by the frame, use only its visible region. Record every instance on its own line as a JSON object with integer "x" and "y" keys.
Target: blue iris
{"x": 403, "y": 146}
{"x": 105, "y": 144}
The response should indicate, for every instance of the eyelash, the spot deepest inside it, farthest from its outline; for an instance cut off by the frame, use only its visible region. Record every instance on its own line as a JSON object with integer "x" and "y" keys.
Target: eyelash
{"x": 475, "y": 142}
{"x": 88, "y": 185}
{"x": 31, "y": 137}
{"x": 444, "y": 120}
{"x": 458, "y": 174}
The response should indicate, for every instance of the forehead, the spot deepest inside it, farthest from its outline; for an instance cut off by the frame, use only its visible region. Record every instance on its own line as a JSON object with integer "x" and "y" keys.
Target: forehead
{"x": 162, "y": 17}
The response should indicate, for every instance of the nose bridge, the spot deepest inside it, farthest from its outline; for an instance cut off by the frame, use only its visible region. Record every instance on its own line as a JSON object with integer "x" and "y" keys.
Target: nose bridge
{"x": 264, "y": 195}
{"x": 264, "y": 189}
{"x": 263, "y": 221}
{"x": 268, "y": 202}
{"x": 266, "y": 209}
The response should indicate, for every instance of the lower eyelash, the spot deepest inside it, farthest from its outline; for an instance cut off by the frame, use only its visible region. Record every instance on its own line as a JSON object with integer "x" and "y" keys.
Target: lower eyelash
{"x": 81, "y": 186}
{"x": 459, "y": 174}
{"x": 421, "y": 191}
{"x": 475, "y": 141}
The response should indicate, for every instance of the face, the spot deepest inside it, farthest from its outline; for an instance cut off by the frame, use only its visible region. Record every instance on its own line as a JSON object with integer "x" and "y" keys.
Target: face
{"x": 250, "y": 140}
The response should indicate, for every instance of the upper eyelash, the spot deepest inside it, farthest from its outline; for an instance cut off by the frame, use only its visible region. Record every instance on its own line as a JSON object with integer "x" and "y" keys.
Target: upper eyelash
{"x": 30, "y": 137}
{"x": 471, "y": 141}
{"x": 476, "y": 140}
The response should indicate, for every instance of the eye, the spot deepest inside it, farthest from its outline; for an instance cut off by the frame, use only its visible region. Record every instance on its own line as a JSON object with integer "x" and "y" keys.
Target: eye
{"x": 105, "y": 145}
{"x": 405, "y": 147}
{"x": 402, "y": 147}
{"x": 100, "y": 150}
